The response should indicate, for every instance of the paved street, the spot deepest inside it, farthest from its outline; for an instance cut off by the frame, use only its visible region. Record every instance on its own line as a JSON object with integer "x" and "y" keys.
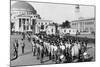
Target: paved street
{"x": 28, "y": 46}
{"x": 27, "y": 58}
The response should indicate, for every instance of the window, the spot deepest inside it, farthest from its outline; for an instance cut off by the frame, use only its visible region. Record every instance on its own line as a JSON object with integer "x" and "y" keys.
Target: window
{"x": 86, "y": 30}
{"x": 45, "y": 23}
{"x": 24, "y": 27}
{"x": 64, "y": 30}
{"x": 23, "y": 21}
{"x": 42, "y": 23}
{"x": 12, "y": 25}
{"x": 91, "y": 29}
{"x": 31, "y": 27}
{"x": 27, "y": 19}
{"x": 33, "y": 21}
{"x": 14, "y": 17}
{"x": 69, "y": 30}
{"x": 19, "y": 22}
{"x": 38, "y": 23}
{"x": 42, "y": 26}
{"x": 52, "y": 30}
{"x": 27, "y": 27}
{"x": 88, "y": 23}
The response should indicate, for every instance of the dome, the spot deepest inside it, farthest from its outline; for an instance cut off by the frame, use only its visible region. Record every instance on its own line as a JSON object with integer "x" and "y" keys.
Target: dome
{"x": 23, "y": 6}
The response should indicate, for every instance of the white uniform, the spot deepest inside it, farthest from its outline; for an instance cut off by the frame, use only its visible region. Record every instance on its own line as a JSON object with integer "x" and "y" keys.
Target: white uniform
{"x": 48, "y": 47}
{"x": 79, "y": 46}
{"x": 45, "y": 44}
{"x": 37, "y": 45}
{"x": 40, "y": 47}
{"x": 75, "y": 50}
{"x": 55, "y": 48}
{"x": 51, "y": 49}
{"x": 62, "y": 47}
{"x": 33, "y": 45}
{"x": 68, "y": 45}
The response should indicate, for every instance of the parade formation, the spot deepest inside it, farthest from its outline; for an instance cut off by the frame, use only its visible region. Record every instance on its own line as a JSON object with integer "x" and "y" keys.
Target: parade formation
{"x": 59, "y": 50}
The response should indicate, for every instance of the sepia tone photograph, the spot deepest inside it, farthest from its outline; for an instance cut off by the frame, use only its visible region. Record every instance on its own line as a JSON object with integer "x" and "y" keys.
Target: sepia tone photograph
{"x": 43, "y": 33}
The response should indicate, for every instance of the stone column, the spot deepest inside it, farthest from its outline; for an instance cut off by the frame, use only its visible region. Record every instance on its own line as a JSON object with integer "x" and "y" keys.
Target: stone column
{"x": 20, "y": 23}
{"x": 29, "y": 24}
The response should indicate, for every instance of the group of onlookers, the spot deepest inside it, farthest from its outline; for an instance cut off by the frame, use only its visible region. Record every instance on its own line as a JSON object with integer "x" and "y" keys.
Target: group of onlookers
{"x": 16, "y": 45}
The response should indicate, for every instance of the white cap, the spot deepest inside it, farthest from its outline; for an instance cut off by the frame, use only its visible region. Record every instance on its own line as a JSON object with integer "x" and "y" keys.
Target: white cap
{"x": 62, "y": 56}
{"x": 84, "y": 53}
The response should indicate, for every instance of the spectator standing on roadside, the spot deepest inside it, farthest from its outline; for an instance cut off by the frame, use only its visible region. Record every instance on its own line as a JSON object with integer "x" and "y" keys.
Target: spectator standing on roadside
{"x": 23, "y": 46}
{"x": 16, "y": 45}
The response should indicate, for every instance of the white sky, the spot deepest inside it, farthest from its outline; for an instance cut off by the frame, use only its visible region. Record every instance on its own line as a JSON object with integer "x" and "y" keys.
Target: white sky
{"x": 61, "y": 12}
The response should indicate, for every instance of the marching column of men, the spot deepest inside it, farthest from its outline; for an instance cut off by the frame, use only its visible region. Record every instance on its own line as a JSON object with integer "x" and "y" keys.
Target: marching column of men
{"x": 59, "y": 52}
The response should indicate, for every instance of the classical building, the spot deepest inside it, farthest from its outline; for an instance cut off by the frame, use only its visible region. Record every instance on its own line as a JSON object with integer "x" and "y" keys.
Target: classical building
{"x": 63, "y": 31}
{"x": 51, "y": 29}
{"x": 41, "y": 25}
{"x": 84, "y": 25}
{"x": 23, "y": 17}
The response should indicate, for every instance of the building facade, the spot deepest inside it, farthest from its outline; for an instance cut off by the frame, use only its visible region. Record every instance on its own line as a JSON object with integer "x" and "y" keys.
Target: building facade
{"x": 51, "y": 29}
{"x": 84, "y": 25}
{"x": 63, "y": 31}
{"x": 41, "y": 25}
{"x": 23, "y": 17}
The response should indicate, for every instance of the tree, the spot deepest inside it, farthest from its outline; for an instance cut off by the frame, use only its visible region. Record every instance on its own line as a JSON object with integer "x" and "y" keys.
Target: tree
{"x": 66, "y": 24}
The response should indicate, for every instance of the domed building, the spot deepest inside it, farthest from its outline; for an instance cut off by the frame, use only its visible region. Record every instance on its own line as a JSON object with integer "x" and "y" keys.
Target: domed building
{"x": 21, "y": 7}
{"x": 23, "y": 17}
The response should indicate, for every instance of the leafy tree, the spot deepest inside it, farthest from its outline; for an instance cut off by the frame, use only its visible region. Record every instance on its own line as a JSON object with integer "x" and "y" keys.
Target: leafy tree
{"x": 66, "y": 24}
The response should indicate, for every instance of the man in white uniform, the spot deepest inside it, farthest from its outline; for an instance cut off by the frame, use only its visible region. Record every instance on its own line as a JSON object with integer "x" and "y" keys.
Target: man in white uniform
{"x": 75, "y": 50}
{"x": 33, "y": 47}
{"x": 62, "y": 47}
{"x": 55, "y": 52}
